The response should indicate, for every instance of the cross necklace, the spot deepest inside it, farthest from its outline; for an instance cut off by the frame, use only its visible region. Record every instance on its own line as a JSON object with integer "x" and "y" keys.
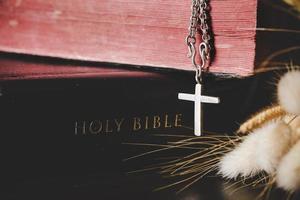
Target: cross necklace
{"x": 198, "y": 21}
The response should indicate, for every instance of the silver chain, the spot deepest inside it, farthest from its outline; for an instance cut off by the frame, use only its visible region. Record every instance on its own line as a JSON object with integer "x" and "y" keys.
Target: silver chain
{"x": 198, "y": 22}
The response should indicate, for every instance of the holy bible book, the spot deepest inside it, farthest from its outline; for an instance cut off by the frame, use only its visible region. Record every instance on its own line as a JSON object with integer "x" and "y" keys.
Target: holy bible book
{"x": 85, "y": 88}
{"x": 71, "y": 137}
{"x": 140, "y": 33}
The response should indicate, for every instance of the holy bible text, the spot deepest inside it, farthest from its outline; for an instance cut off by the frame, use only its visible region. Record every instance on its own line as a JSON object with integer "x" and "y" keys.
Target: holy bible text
{"x": 132, "y": 125}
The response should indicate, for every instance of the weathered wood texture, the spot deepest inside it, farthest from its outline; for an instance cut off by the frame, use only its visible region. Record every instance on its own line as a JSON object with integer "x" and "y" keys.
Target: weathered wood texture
{"x": 138, "y": 32}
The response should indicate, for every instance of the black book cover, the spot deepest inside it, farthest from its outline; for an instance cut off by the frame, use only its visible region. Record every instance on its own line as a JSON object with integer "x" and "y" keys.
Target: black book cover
{"x": 68, "y": 139}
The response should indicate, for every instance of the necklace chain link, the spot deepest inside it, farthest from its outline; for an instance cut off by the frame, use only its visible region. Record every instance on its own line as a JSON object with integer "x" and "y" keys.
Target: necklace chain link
{"x": 198, "y": 23}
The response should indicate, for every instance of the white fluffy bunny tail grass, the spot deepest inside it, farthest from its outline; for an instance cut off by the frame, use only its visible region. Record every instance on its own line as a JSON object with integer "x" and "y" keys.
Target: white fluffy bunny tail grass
{"x": 288, "y": 171}
{"x": 275, "y": 139}
{"x": 260, "y": 151}
{"x": 289, "y": 92}
{"x": 294, "y": 123}
{"x": 241, "y": 160}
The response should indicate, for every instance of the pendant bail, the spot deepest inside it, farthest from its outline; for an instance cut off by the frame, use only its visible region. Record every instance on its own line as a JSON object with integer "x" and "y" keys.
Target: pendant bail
{"x": 198, "y": 76}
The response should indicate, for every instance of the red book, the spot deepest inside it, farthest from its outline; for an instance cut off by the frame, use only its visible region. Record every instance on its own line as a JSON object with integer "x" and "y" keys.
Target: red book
{"x": 24, "y": 67}
{"x": 147, "y": 33}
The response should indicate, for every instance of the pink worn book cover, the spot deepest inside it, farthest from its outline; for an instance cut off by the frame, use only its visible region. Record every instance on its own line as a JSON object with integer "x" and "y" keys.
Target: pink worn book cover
{"x": 23, "y": 67}
{"x": 147, "y": 33}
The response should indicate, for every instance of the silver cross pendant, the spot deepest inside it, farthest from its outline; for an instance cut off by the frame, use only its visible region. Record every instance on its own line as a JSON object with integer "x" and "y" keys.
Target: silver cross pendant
{"x": 198, "y": 98}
